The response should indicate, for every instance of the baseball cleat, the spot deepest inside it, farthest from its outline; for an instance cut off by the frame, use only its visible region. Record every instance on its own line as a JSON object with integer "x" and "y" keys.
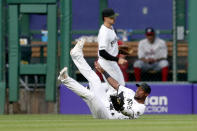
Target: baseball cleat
{"x": 78, "y": 47}
{"x": 81, "y": 42}
{"x": 63, "y": 74}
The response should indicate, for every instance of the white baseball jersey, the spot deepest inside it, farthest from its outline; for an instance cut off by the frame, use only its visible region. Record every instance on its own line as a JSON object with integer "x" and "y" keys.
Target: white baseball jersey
{"x": 107, "y": 40}
{"x": 132, "y": 109}
{"x": 155, "y": 50}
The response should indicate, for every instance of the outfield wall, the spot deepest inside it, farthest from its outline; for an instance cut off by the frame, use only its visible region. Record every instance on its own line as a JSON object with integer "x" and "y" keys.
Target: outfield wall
{"x": 194, "y": 98}
{"x": 164, "y": 99}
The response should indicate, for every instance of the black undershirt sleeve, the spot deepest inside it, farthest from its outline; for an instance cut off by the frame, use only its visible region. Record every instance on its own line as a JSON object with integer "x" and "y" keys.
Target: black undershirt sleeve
{"x": 106, "y": 74}
{"x": 107, "y": 56}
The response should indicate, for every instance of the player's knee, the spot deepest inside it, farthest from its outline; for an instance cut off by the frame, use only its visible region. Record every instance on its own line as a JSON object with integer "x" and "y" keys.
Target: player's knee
{"x": 163, "y": 63}
{"x": 138, "y": 64}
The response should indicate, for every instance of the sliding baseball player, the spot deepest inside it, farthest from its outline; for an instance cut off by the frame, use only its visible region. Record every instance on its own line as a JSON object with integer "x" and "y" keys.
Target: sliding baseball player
{"x": 121, "y": 103}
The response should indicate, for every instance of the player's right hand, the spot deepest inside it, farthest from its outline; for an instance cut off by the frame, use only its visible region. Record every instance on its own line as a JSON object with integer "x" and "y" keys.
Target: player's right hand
{"x": 122, "y": 61}
{"x": 98, "y": 67}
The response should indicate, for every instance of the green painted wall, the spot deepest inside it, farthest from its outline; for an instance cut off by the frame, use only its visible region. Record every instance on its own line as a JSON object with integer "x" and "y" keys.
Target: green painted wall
{"x": 192, "y": 68}
{"x": 2, "y": 56}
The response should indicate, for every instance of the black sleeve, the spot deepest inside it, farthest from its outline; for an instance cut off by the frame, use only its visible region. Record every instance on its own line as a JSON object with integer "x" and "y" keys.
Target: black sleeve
{"x": 107, "y": 56}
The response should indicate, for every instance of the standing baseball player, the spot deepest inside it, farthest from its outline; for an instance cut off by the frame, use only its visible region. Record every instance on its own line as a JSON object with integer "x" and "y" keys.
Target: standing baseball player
{"x": 152, "y": 54}
{"x": 108, "y": 47}
{"x": 124, "y": 103}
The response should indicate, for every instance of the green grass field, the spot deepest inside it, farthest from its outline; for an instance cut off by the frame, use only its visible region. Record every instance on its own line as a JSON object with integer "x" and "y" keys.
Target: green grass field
{"x": 87, "y": 123}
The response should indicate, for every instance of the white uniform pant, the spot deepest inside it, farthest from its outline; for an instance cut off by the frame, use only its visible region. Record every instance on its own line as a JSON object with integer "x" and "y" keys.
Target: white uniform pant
{"x": 113, "y": 69}
{"x": 96, "y": 97}
{"x": 155, "y": 66}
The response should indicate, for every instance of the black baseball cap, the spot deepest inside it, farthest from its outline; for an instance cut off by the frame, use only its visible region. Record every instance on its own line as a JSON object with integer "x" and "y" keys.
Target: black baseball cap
{"x": 149, "y": 31}
{"x": 108, "y": 12}
{"x": 145, "y": 87}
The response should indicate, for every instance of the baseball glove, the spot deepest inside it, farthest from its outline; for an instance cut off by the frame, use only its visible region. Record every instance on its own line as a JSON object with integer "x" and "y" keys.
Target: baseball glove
{"x": 125, "y": 50}
{"x": 118, "y": 101}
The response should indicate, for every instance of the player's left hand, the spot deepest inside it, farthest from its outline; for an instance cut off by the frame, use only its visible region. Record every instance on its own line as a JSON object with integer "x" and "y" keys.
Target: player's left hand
{"x": 122, "y": 61}
{"x": 118, "y": 101}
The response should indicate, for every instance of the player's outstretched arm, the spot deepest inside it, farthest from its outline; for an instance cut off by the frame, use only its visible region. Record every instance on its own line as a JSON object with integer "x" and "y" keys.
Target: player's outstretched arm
{"x": 110, "y": 80}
